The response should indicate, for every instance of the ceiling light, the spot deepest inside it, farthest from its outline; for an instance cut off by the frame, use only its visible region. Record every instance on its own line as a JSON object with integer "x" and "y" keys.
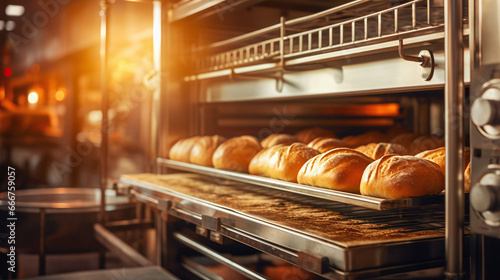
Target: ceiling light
{"x": 10, "y": 25}
{"x": 14, "y": 10}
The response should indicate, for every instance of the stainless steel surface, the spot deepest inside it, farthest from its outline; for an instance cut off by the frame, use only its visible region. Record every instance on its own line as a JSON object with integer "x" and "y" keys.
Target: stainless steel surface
{"x": 119, "y": 247}
{"x": 217, "y": 257}
{"x": 41, "y": 253}
{"x": 372, "y": 74}
{"x": 454, "y": 137}
{"x": 485, "y": 196}
{"x": 64, "y": 200}
{"x": 159, "y": 14}
{"x": 326, "y": 194}
{"x": 264, "y": 232}
{"x": 485, "y": 110}
{"x": 104, "y": 48}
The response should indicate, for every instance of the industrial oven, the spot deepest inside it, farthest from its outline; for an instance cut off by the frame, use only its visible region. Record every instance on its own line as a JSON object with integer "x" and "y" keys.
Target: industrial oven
{"x": 255, "y": 67}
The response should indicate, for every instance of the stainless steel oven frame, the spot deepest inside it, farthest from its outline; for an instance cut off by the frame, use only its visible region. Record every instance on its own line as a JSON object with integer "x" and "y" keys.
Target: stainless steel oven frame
{"x": 264, "y": 70}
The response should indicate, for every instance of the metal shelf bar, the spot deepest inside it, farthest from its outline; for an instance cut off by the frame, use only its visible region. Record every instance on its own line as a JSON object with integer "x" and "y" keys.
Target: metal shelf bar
{"x": 217, "y": 257}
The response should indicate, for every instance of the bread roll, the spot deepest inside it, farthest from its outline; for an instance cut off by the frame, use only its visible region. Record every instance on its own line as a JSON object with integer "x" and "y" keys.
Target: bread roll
{"x": 438, "y": 156}
{"x": 260, "y": 163}
{"x": 286, "y": 161}
{"x": 467, "y": 180}
{"x": 396, "y": 177}
{"x": 338, "y": 169}
{"x": 404, "y": 140}
{"x": 276, "y": 139}
{"x": 365, "y": 138}
{"x": 424, "y": 143}
{"x": 307, "y": 135}
{"x": 324, "y": 144}
{"x": 203, "y": 150}
{"x": 367, "y": 149}
{"x": 181, "y": 150}
{"x": 236, "y": 153}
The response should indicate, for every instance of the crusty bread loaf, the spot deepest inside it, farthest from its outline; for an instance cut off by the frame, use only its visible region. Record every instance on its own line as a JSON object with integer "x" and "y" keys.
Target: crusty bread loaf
{"x": 424, "y": 143}
{"x": 396, "y": 177}
{"x": 324, "y": 144}
{"x": 236, "y": 153}
{"x": 181, "y": 150}
{"x": 373, "y": 136}
{"x": 438, "y": 156}
{"x": 277, "y": 139}
{"x": 307, "y": 135}
{"x": 378, "y": 150}
{"x": 203, "y": 150}
{"x": 260, "y": 163}
{"x": 286, "y": 161}
{"x": 338, "y": 169}
{"x": 467, "y": 180}
{"x": 367, "y": 149}
{"x": 383, "y": 149}
{"x": 405, "y": 140}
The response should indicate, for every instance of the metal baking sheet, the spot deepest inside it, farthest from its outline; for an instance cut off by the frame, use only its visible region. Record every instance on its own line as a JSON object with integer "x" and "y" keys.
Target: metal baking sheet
{"x": 374, "y": 241}
{"x": 326, "y": 194}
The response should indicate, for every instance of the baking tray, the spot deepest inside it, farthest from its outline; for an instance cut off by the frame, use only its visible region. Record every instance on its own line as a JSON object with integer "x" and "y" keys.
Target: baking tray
{"x": 322, "y": 193}
{"x": 352, "y": 239}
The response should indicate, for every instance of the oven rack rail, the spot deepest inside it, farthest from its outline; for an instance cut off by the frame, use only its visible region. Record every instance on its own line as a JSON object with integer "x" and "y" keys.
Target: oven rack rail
{"x": 320, "y": 255}
{"x": 369, "y": 202}
{"x": 410, "y": 19}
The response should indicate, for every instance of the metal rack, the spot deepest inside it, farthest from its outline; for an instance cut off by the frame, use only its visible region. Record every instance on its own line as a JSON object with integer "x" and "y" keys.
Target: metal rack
{"x": 326, "y": 238}
{"x": 288, "y": 187}
{"x": 413, "y": 18}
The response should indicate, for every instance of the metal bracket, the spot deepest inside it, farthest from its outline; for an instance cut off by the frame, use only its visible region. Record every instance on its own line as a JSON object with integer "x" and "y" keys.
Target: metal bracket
{"x": 425, "y": 58}
{"x": 210, "y": 223}
{"x": 279, "y": 78}
{"x": 313, "y": 263}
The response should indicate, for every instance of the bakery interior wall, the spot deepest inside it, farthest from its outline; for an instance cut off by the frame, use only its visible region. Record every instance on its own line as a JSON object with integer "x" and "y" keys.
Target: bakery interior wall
{"x": 53, "y": 51}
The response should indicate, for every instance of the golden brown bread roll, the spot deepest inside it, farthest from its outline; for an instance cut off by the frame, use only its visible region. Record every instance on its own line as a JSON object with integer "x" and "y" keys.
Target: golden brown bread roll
{"x": 181, "y": 150}
{"x": 276, "y": 139}
{"x": 424, "y": 143}
{"x": 324, "y": 144}
{"x": 378, "y": 150}
{"x": 260, "y": 163}
{"x": 365, "y": 138}
{"x": 286, "y": 161}
{"x": 404, "y": 140}
{"x": 338, "y": 169}
{"x": 203, "y": 150}
{"x": 236, "y": 153}
{"x": 467, "y": 180}
{"x": 367, "y": 149}
{"x": 438, "y": 156}
{"x": 307, "y": 135}
{"x": 395, "y": 177}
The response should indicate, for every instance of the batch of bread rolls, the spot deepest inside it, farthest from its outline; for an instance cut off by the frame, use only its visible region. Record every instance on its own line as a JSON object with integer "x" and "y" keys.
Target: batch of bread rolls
{"x": 390, "y": 165}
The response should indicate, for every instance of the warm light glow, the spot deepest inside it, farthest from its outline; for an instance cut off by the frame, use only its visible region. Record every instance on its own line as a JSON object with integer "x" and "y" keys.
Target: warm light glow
{"x": 2, "y": 25}
{"x": 33, "y": 97}
{"x": 95, "y": 117}
{"x": 60, "y": 95}
{"x": 14, "y": 10}
{"x": 10, "y": 25}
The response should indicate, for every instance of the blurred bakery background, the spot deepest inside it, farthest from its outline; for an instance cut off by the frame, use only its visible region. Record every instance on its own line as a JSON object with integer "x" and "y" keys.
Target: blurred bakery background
{"x": 50, "y": 123}
{"x": 49, "y": 91}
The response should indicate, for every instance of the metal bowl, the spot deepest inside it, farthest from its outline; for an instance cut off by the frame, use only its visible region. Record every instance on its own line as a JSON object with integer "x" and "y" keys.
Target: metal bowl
{"x": 70, "y": 214}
